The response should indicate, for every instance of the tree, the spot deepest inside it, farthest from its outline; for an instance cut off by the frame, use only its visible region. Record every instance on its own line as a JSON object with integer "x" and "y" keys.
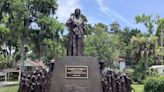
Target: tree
{"x": 144, "y": 53}
{"x": 144, "y": 47}
{"x": 126, "y": 36}
{"x": 4, "y": 32}
{"x": 160, "y": 34}
{"x": 115, "y": 27}
{"x": 31, "y": 22}
{"x": 3, "y": 61}
{"x": 102, "y": 45}
{"x": 147, "y": 21}
{"x": 160, "y": 26}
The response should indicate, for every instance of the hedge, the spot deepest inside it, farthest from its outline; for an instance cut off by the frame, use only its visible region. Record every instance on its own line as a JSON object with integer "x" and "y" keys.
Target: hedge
{"x": 154, "y": 84}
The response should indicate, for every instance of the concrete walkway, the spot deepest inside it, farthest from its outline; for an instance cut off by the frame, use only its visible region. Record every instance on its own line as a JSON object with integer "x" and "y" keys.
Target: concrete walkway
{"x": 8, "y": 83}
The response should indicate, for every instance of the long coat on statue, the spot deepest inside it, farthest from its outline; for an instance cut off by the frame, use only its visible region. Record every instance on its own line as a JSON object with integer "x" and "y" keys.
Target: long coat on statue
{"x": 76, "y": 34}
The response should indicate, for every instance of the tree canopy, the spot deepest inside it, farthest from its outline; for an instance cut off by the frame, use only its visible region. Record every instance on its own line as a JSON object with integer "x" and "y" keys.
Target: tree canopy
{"x": 28, "y": 29}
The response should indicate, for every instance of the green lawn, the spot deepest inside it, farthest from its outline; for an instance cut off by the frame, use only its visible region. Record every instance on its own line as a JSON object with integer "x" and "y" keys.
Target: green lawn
{"x": 138, "y": 87}
{"x": 9, "y": 89}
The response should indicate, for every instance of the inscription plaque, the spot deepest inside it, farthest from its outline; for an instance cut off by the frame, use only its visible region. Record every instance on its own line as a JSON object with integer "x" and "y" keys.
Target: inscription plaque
{"x": 76, "y": 72}
{"x": 75, "y": 88}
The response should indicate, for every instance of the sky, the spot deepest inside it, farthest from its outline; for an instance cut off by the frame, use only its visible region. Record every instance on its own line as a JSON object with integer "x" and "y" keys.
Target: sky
{"x": 108, "y": 11}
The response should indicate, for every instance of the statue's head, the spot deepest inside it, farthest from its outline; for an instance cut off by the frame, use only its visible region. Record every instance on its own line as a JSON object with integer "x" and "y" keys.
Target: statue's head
{"x": 77, "y": 12}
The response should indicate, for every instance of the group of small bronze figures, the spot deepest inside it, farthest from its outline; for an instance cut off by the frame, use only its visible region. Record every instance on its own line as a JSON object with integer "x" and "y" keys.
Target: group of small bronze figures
{"x": 114, "y": 82}
{"x": 38, "y": 81}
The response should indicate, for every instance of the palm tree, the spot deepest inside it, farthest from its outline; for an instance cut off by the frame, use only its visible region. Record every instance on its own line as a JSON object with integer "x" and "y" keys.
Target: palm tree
{"x": 160, "y": 34}
{"x": 144, "y": 47}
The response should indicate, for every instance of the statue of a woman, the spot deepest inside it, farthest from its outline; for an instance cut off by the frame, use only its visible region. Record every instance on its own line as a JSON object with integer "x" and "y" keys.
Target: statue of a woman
{"x": 75, "y": 26}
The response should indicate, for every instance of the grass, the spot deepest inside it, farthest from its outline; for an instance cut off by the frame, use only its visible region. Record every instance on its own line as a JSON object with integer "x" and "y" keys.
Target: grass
{"x": 138, "y": 87}
{"x": 9, "y": 89}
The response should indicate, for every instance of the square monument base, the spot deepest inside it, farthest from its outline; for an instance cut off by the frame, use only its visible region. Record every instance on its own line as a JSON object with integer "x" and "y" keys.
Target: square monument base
{"x": 76, "y": 74}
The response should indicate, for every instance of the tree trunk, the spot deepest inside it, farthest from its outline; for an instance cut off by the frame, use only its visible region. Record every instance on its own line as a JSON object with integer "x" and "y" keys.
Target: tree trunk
{"x": 162, "y": 45}
{"x": 146, "y": 59}
{"x": 132, "y": 61}
{"x": 22, "y": 54}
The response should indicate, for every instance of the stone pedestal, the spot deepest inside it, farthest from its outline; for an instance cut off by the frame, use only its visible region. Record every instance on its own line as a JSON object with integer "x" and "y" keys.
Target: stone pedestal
{"x": 76, "y": 74}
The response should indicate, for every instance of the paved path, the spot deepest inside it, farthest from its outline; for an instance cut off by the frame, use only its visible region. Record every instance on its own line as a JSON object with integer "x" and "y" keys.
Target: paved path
{"x": 8, "y": 83}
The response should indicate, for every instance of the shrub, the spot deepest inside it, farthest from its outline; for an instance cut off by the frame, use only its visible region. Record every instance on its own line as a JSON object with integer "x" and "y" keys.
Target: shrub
{"x": 129, "y": 72}
{"x": 3, "y": 61}
{"x": 152, "y": 72}
{"x": 139, "y": 73}
{"x": 154, "y": 84}
{"x": 14, "y": 76}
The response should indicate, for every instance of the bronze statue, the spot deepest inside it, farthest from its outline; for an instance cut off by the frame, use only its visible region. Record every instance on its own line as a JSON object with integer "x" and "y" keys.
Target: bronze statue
{"x": 75, "y": 26}
{"x": 114, "y": 82}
